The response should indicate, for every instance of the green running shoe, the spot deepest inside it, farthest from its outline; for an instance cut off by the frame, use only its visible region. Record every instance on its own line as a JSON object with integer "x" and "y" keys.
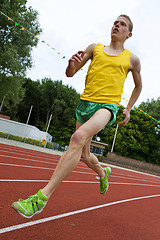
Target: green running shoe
{"x": 104, "y": 181}
{"x": 31, "y": 206}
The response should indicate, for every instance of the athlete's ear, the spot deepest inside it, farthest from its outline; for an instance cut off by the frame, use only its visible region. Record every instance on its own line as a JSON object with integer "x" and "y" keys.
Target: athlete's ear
{"x": 129, "y": 35}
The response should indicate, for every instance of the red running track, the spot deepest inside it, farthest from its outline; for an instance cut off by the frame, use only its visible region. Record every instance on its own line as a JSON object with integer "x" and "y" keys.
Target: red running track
{"x": 76, "y": 211}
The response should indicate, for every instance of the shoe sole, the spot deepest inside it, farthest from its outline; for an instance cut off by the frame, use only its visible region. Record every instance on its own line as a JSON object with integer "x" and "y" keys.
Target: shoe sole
{"x": 15, "y": 207}
{"x": 107, "y": 180}
{"x": 110, "y": 171}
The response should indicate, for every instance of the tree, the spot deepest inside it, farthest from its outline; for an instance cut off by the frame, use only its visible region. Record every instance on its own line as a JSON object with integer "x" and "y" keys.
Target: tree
{"x": 15, "y": 47}
{"x": 138, "y": 139}
{"x": 151, "y": 107}
{"x": 60, "y": 101}
{"x": 49, "y": 97}
{"x": 33, "y": 96}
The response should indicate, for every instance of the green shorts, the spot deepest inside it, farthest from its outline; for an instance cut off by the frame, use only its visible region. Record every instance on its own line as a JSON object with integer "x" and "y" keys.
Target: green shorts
{"x": 85, "y": 110}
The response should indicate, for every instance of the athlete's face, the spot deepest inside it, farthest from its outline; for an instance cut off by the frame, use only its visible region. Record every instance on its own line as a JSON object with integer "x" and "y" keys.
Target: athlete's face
{"x": 120, "y": 29}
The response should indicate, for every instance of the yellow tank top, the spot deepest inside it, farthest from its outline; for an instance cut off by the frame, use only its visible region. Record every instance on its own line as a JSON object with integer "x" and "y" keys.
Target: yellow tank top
{"x": 105, "y": 77}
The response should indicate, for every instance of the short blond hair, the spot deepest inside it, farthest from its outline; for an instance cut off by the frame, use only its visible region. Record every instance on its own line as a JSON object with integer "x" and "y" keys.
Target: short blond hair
{"x": 130, "y": 22}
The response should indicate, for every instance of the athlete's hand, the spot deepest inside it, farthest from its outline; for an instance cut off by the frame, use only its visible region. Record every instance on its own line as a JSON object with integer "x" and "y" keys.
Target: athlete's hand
{"x": 127, "y": 117}
{"x": 76, "y": 59}
{"x": 75, "y": 63}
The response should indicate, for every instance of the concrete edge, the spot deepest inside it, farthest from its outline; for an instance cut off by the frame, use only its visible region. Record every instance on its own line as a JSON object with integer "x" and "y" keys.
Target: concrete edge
{"x": 29, "y": 146}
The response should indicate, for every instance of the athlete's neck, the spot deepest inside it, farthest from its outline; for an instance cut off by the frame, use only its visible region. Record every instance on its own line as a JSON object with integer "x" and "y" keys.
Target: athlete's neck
{"x": 116, "y": 46}
{"x": 114, "y": 49}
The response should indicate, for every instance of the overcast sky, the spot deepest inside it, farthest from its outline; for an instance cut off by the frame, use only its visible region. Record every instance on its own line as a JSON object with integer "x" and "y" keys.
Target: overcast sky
{"x": 70, "y": 26}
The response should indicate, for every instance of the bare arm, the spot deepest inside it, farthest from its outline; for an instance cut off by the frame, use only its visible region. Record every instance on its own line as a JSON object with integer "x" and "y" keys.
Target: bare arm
{"x": 78, "y": 60}
{"x": 135, "y": 68}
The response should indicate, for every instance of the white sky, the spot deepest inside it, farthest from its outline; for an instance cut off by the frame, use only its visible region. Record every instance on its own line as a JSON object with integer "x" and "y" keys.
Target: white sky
{"x": 70, "y": 26}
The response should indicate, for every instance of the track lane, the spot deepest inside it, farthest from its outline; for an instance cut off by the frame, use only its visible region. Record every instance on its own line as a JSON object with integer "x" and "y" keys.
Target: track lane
{"x": 71, "y": 196}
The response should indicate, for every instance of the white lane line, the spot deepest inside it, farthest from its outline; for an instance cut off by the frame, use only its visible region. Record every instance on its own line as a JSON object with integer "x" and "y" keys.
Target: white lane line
{"x": 26, "y": 166}
{"x": 31, "y": 154}
{"x": 17, "y": 165}
{"x": 129, "y": 170}
{"x": 23, "y": 180}
{"x": 34, "y": 160}
{"x": 56, "y": 161}
{"x": 52, "y": 157}
{"x": 48, "y": 162}
{"x": 73, "y": 181}
{"x": 26, "y": 159}
{"x": 38, "y": 156}
{"x": 43, "y": 220}
{"x": 33, "y": 180}
{"x": 137, "y": 177}
{"x": 105, "y": 164}
{"x": 114, "y": 183}
{"x": 134, "y": 184}
{"x": 44, "y": 168}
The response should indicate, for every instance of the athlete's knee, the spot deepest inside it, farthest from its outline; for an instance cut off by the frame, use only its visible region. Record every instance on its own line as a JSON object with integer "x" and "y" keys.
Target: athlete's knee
{"x": 78, "y": 138}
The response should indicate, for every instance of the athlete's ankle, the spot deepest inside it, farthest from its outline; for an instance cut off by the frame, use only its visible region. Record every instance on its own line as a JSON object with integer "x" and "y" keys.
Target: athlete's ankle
{"x": 102, "y": 175}
{"x": 46, "y": 193}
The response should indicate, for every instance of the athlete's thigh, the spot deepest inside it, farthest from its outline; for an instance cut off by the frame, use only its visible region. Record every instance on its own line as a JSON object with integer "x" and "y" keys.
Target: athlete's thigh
{"x": 96, "y": 123}
{"x": 93, "y": 126}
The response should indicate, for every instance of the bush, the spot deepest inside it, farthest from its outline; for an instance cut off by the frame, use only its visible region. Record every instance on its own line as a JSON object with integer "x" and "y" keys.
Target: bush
{"x": 15, "y": 138}
{"x": 3, "y": 135}
{"x": 33, "y": 142}
{"x": 49, "y": 145}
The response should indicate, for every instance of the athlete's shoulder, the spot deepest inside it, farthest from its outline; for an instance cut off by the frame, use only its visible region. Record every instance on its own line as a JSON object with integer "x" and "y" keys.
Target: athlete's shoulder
{"x": 134, "y": 62}
{"x": 90, "y": 49}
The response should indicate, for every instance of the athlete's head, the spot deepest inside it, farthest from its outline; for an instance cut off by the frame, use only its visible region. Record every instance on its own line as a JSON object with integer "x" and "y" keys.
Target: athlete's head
{"x": 122, "y": 28}
{"x": 130, "y": 22}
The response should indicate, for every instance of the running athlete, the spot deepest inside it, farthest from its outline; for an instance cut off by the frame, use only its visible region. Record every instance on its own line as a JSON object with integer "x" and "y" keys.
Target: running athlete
{"x": 97, "y": 108}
